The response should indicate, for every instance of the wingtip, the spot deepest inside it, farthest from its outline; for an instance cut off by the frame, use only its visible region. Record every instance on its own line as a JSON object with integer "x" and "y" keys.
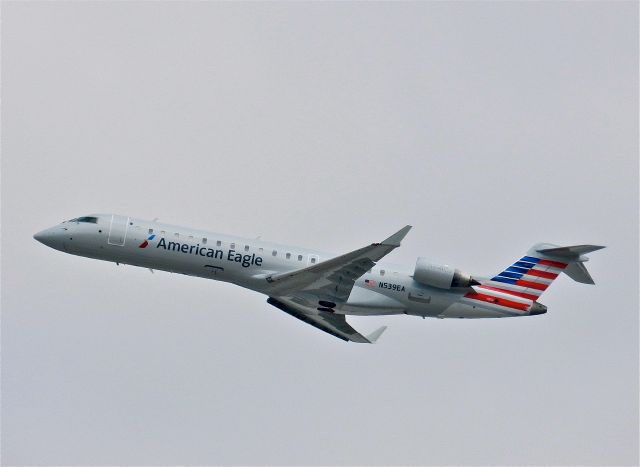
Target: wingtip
{"x": 375, "y": 335}
{"x": 397, "y": 237}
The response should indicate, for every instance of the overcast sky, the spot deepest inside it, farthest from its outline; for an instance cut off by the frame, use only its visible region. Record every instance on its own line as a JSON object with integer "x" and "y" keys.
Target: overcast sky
{"x": 487, "y": 126}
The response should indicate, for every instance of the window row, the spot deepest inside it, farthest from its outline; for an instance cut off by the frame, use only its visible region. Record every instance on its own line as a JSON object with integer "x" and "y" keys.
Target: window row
{"x": 232, "y": 246}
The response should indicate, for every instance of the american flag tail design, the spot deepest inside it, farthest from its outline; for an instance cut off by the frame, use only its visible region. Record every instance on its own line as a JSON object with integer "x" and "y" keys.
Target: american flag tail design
{"x": 532, "y": 274}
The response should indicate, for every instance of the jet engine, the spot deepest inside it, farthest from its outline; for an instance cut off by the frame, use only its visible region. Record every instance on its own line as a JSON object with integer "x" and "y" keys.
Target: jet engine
{"x": 441, "y": 276}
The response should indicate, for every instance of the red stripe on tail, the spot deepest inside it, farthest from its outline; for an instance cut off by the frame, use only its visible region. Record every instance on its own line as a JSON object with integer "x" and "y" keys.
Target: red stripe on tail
{"x": 545, "y": 275}
{"x": 497, "y": 301}
{"x": 511, "y": 292}
{"x": 553, "y": 264}
{"x": 532, "y": 285}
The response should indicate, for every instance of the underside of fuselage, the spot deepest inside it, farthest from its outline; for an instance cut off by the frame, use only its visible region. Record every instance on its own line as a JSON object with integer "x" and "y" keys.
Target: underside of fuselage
{"x": 432, "y": 304}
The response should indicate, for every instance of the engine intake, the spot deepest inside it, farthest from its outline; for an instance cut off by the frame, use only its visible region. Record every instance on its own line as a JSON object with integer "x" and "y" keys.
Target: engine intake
{"x": 441, "y": 276}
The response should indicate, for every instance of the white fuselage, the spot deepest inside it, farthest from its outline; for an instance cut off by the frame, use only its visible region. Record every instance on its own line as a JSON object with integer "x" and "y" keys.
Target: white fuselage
{"x": 248, "y": 262}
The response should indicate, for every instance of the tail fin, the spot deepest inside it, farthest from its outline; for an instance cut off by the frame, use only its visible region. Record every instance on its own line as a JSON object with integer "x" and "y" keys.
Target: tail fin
{"x": 532, "y": 274}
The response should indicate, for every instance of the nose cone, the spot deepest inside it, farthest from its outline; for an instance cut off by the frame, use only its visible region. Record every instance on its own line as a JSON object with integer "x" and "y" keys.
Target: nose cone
{"x": 41, "y": 236}
{"x": 50, "y": 237}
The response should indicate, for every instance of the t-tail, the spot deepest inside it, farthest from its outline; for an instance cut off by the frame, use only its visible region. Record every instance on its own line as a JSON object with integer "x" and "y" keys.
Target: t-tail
{"x": 532, "y": 274}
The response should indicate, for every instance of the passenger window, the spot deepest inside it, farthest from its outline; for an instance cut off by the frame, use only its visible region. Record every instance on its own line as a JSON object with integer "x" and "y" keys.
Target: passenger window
{"x": 150, "y": 231}
{"x": 218, "y": 243}
{"x": 299, "y": 257}
{"x": 382, "y": 272}
{"x": 176, "y": 234}
{"x": 313, "y": 260}
{"x": 288, "y": 255}
{"x": 162, "y": 232}
{"x": 204, "y": 240}
{"x": 232, "y": 246}
{"x": 190, "y": 237}
{"x": 274, "y": 253}
{"x": 246, "y": 248}
{"x": 260, "y": 249}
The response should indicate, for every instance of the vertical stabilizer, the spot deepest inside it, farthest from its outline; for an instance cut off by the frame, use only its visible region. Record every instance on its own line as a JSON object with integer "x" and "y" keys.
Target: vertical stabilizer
{"x": 532, "y": 274}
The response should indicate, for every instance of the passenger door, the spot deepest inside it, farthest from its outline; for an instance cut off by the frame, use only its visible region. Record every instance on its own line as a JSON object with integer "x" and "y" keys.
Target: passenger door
{"x": 118, "y": 230}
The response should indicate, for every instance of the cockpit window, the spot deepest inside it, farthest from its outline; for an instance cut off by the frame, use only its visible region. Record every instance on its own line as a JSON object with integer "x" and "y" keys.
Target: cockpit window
{"x": 90, "y": 220}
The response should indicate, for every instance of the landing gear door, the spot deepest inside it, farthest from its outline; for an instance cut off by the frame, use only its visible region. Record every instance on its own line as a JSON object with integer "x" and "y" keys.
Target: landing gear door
{"x": 118, "y": 230}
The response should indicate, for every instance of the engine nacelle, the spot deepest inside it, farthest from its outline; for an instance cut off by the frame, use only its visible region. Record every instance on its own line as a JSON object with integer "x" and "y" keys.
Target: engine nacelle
{"x": 441, "y": 276}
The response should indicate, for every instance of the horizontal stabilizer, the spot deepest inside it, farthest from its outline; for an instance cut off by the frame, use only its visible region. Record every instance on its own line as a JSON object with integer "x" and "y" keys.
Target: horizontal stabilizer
{"x": 570, "y": 251}
{"x": 578, "y": 272}
{"x": 573, "y": 257}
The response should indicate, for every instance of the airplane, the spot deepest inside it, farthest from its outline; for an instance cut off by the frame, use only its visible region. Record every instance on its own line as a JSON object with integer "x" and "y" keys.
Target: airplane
{"x": 320, "y": 288}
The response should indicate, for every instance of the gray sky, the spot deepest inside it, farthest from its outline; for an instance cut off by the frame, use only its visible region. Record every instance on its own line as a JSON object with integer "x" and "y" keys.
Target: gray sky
{"x": 488, "y": 126}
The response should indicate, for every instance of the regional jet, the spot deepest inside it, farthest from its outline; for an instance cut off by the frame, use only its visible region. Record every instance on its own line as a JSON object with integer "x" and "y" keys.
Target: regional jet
{"x": 320, "y": 288}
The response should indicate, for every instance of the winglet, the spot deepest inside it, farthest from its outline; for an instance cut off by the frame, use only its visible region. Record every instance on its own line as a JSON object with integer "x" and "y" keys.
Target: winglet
{"x": 397, "y": 237}
{"x": 373, "y": 337}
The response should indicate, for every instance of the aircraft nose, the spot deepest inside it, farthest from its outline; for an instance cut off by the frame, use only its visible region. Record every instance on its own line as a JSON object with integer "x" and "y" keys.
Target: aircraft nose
{"x": 49, "y": 237}
{"x": 40, "y": 236}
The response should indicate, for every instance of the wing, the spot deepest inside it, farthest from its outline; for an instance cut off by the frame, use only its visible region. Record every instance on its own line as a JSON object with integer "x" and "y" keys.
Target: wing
{"x": 334, "y": 324}
{"x": 332, "y": 280}
{"x": 310, "y": 294}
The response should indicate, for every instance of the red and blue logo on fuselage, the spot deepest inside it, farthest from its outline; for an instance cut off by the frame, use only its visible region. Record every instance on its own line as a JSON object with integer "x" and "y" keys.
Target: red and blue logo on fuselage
{"x": 146, "y": 242}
